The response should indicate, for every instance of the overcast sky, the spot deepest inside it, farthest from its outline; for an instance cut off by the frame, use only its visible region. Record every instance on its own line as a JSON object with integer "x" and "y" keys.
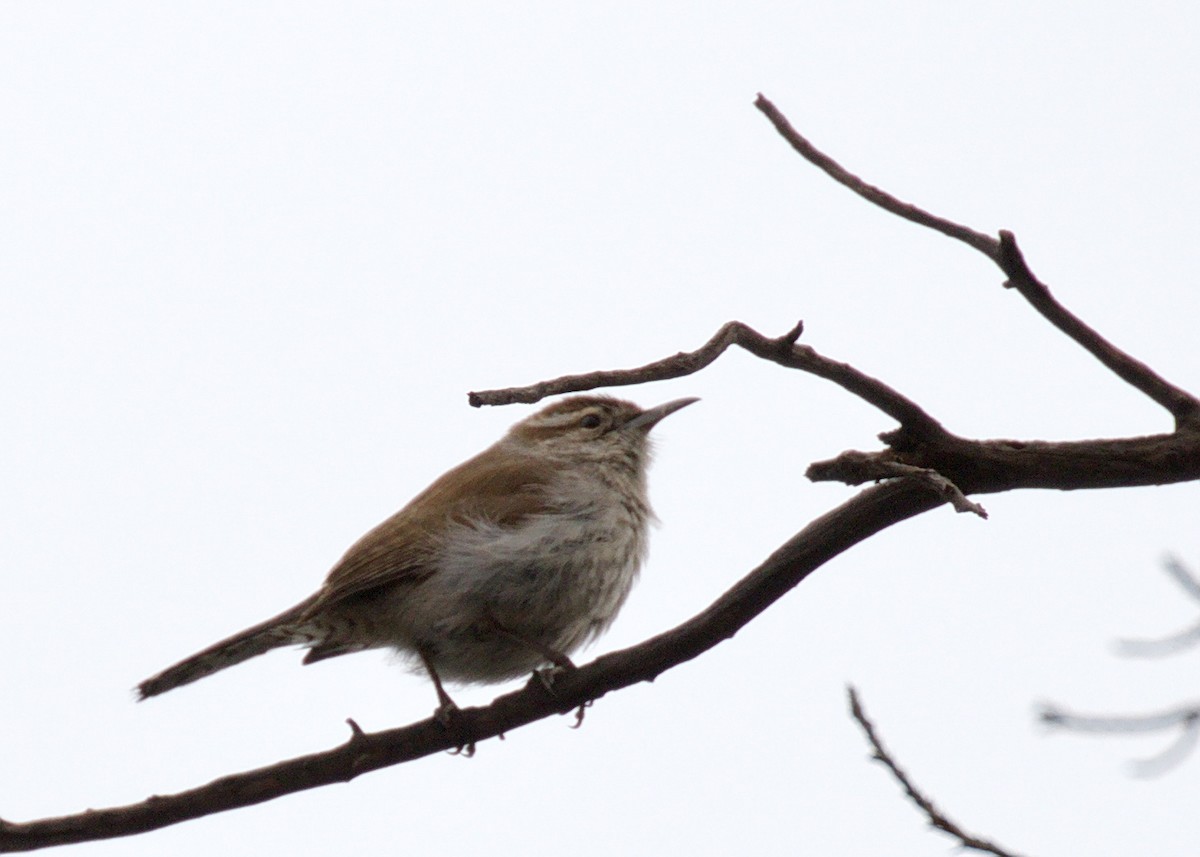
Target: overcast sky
{"x": 254, "y": 255}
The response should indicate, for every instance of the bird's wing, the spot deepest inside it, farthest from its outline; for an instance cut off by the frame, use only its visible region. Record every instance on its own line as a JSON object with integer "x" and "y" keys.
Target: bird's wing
{"x": 498, "y": 488}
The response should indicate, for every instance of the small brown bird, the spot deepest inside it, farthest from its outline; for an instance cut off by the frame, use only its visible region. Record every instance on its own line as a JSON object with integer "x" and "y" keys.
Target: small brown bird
{"x": 507, "y": 563}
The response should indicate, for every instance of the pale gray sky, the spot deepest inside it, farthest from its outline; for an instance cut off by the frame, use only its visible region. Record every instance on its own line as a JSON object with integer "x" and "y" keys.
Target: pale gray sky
{"x": 255, "y": 254}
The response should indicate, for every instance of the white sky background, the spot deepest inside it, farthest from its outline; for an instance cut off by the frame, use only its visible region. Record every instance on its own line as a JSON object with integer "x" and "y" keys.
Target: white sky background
{"x": 254, "y": 255}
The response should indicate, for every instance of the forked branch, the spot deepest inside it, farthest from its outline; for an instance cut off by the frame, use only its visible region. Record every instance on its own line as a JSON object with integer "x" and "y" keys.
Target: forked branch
{"x": 1183, "y": 406}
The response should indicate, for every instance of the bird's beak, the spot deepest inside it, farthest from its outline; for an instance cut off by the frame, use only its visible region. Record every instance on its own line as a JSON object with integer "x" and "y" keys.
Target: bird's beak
{"x": 648, "y": 419}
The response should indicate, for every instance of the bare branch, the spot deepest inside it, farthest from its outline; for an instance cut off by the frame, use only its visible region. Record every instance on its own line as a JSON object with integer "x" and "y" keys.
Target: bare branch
{"x": 992, "y": 466}
{"x": 869, "y": 512}
{"x": 935, "y": 816}
{"x": 677, "y": 366}
{"x": 783, "y": 350}
{"x": 1183, "y": 406}
{"x": 985, "y": 244}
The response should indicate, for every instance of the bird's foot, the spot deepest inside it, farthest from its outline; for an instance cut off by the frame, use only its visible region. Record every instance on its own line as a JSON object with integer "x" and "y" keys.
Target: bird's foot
{"x": 546, "y": 678}
{"x": 579, "y": 712}
{"x": 547, "y": 675}
{"x": 450, "y": 717}
{"x": 447, "y": 712}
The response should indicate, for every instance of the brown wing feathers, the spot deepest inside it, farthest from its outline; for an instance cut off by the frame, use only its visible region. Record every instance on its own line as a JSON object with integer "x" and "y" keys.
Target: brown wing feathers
{"x": 510, "y": 489}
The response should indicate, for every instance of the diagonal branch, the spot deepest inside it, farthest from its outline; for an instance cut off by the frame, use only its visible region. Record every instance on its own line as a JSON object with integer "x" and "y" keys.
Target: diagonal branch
{"x": 985, "y": 244}
{"x": 861, "y": 517}
{"x": 1184, "y": 407}
{"x": 936, "y": 817}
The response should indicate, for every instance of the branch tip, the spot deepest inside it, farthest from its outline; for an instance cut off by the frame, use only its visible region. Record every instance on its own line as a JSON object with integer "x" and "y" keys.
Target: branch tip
{"x": 356, "y": 731}
{"x": 983, "y": 243}
{"x": 793, "y": 336}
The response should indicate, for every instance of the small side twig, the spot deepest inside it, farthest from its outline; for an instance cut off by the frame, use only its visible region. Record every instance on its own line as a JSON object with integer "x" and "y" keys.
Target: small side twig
{"x": 936, "y": 817}
{"x": 356, "y": 731}
{"x": 854, "y": 468}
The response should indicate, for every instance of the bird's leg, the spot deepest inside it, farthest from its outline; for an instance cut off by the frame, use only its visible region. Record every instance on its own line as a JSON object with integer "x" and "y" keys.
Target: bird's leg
{"x": 545, "y": 677}
{"x": 447, "y": 712}
{"x": 446, "y": 707}
{"x": 551, "y": 654}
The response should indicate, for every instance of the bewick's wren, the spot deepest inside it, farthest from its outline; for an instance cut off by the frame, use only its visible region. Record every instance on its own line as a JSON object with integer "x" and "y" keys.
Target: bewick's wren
{"x": 508, "y": 562}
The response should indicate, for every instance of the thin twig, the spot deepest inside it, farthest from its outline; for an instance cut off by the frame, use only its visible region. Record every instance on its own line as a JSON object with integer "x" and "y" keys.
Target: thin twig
{"x": 856, "y": 468}
{"x": 985, "y": 244}
{"x": 783, "y": 350}
{"x": 935, "y": 816}
{"x": 676, "y": 366}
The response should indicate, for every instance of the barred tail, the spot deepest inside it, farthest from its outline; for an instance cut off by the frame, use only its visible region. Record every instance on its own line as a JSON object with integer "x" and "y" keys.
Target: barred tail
{"x": 278, "y": 631}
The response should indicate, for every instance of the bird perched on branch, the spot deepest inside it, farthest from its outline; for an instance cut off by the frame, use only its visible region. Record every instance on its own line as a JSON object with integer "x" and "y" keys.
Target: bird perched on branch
{"x": 507, "y": 563}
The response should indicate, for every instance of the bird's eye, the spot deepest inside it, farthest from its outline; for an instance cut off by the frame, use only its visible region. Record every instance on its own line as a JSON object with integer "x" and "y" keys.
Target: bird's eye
{"x": 590, "y": 421}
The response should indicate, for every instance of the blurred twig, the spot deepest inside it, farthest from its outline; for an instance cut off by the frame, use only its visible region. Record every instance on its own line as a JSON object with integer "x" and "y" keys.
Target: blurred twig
{"x": 1180, "y": 640}
{"x": 1184, "y": 718}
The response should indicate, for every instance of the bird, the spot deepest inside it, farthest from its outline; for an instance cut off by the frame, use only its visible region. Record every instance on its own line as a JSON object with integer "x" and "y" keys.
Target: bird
{"x": 503, "y": 566}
